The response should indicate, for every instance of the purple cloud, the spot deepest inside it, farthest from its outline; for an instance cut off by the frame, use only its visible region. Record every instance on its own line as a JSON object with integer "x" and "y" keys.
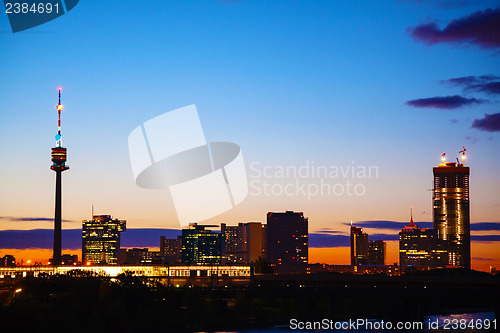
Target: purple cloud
{"x": 485, "y": 238}
{"x": 482, "y": 259}
{"x": 471, "y": 80}
{"x": 489, "y": 84}
{"x": 21, "y": 219}
{"x": 444, "y": 102}
{"x": 328, "y": 240}
{"x": 485, "y": 226}
{"x": 394, "y": 225}
{"x": 447, "y": 4}
{"x": 384, "y": 237}
{"x": 492, "y": 88}
{"x": 72, "y": 238}
{"x": 30, "y": 219}
{"x": 328, "y": 231}
{"x": 481, "y": 28}
{"x": 390, "y": 225}
{"x": 490, "y": 123}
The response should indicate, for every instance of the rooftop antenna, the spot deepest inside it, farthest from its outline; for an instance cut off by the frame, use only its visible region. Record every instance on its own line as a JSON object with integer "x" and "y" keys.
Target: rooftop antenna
{"x": 443, "y": 158}
{"x": 92, "y": 211}
{"x": 463, "y": 154}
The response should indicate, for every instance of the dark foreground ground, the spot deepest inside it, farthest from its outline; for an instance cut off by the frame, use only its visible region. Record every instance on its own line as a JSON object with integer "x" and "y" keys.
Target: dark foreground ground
{"x": 132, "y": 304}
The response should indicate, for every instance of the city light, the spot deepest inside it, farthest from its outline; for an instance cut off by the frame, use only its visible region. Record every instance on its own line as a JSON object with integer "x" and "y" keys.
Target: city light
{"x": 183, "y": 271}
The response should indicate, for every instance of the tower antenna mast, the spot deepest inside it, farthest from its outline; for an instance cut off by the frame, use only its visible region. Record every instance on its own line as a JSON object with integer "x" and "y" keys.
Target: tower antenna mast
{"x": 59, "y": 108}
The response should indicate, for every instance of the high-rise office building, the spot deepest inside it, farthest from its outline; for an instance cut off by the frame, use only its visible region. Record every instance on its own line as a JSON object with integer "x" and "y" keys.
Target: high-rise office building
{"x": 201, "y": 246}
{"x": 170, "y": 250}
{"x": 359, "y": 246}
{"x": 287, "y": 241}
{"x": 101, "y": 240}
{"x": 376, "y": 252}
{"x": 244, "y": 243}
{"x": 233, "y": 244}
{"x": 421, "y": 247}
{"x": 451, "y": 209}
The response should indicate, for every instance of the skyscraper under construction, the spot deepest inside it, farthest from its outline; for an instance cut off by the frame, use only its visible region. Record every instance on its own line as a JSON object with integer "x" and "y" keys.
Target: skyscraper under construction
{"x": 451, "y": 209}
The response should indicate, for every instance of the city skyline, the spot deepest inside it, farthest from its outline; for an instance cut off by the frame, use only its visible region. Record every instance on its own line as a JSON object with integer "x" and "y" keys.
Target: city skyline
{"x": 148, "y": 238}
{"x": 325, "y": 84}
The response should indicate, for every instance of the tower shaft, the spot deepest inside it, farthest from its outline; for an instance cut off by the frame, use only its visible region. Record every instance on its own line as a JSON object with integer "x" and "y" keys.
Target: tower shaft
{"x": 58, "y": 220}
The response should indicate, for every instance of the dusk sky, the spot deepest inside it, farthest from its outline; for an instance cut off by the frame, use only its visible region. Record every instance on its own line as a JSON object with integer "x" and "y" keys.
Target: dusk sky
{"x": 385, "y": 86}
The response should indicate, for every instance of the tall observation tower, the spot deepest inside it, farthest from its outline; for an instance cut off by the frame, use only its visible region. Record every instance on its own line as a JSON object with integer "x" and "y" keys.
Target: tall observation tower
{"x": 58, "y": 165}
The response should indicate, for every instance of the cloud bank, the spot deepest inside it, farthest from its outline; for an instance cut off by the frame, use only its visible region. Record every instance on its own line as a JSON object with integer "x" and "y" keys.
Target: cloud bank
{"x": 481, "y": 28}
{"x": 490, "y": 123}
{"x": 444, "y": 102}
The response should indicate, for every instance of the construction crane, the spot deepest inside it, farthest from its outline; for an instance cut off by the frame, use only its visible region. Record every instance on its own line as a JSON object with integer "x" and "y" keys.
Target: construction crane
{"x": 463, "y": 154}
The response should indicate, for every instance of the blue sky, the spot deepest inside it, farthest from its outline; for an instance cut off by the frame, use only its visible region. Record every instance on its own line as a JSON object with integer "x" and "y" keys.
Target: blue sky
{"x": 289, "y": 81}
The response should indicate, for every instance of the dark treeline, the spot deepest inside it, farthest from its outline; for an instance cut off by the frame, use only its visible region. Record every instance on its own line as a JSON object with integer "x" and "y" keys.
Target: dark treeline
{"x": 85, "y": 302}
